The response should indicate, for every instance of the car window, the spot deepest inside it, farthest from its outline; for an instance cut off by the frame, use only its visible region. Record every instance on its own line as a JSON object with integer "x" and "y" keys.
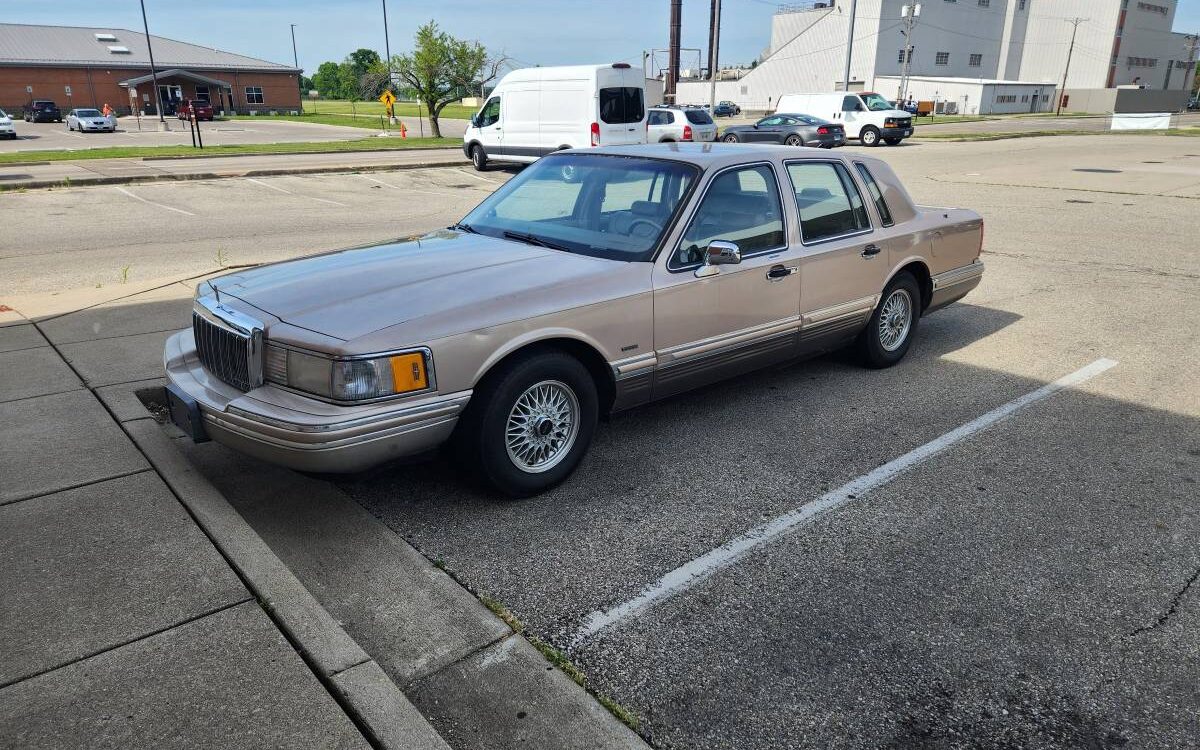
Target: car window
{"x": 607, "y": 206}
{"x": 87, "y": 113}
{"x": 490, "y": 114}
{"x": 829, "y": 203}
{"x": 621, "y": 105}
{"x": 741, "y": 206}
{"x": 659, "y": 118}
{"x": 851, "y": 104}
{"x": 885, "y": 215}
{"x": 698, "y": 117}
{"x": 770, "y": 121}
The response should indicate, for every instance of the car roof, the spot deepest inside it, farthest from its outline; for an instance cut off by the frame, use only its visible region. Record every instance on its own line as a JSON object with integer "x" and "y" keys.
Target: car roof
{"x": 716, "y": 155}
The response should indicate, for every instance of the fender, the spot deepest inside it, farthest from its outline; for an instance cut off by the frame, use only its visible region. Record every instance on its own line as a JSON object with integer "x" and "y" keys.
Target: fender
{"x": 532, "y": 337}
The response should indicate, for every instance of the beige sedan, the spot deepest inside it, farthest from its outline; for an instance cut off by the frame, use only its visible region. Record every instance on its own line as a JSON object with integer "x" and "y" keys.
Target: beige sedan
{"x": 594, "y": 281}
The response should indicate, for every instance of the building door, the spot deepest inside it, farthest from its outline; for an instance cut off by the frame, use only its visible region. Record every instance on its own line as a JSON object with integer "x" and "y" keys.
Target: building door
{"x": 1037, "y": 101}
{"x": 170, "y": 94}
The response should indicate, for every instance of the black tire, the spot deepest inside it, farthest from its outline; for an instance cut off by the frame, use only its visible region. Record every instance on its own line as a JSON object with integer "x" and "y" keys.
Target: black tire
{"x": 872, "y": 349}
{"x": 893, "y": 141}
{"x": 870, "y": 136}
{"x": 479, "y": 439}
{"x": 479, "y": 158}
{"x": 731, "y": 138}
{"x": 793, "y": 140}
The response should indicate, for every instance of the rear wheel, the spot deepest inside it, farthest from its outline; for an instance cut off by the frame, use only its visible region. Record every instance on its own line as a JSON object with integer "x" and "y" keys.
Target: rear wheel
{"x": 893, "y": 325}
{"x": 731, "y": 138}
{"x": 870, "y": 136}
{"x": 529, "y": 424}
{"x": 478, "y": 158}
{"x": 794, "y": 140}
{"x": 893, "y": 141}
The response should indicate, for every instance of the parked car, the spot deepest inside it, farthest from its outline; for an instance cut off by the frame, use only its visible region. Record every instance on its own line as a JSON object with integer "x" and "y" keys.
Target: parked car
{"x": 203, "y": 110}
{"x": 534, "y": 111}
{"x": 789, "y": 129}
{"x": 668, "y": 124}
{"x": 7, "y": 129}
{"x": 594, "y": 281}
{"x": 724, "y": 110}
{"x": 736, "y": 109}
{"x": 43, "y": 110}
{"x": 90, "y": 120}
{"x": 909, "y": 106}
{"x": 866, "y": 116}
{"x": 1194, "y": 103}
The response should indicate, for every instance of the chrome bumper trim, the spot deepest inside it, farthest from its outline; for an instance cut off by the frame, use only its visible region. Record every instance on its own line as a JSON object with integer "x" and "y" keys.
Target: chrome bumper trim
{"x": 958, "y": 276}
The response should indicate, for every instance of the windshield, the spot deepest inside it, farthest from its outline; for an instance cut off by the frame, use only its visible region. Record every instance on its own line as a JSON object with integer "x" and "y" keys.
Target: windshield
{"x": 3, "y": 114}
{"x": 614, "y": 207}
{"x": 876, "y": 103}
{"x": 87, "y": 113}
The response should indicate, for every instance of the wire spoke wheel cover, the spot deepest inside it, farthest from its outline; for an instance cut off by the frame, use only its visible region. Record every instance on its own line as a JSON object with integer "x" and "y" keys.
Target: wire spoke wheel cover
{"x": 895, "y": 320}
{"x": 542, "y": 426}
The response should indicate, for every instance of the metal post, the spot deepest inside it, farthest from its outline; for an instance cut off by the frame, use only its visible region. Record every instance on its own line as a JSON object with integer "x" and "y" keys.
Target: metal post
{"x": 713, "y": 67}
{"x": 850, "y": 43}
{"x": 296, "y": 64}
{"x": 387, "y": 50}
{"x": 153, "y": 73}
{"x": 669, "y": 89}
{"x": 1074, "y": 30}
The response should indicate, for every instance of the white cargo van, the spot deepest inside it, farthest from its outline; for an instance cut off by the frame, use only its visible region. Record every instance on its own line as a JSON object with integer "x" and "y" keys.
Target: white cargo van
{"x": 534, "y": 111}
{"x": 866, "y": 115}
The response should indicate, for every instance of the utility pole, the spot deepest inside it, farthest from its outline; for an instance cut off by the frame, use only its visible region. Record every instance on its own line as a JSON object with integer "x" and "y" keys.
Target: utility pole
{"x": 1070, "y": 50}
{"x": 1193, "y": 48}
{"x": 714, "y": 45}
{"x": 850, "y": 43}
{"x": 296, "y": 64}
{"x": 162, "y": 121}
{"x": 673, "y": 53}
{"x": 908, "y": 15}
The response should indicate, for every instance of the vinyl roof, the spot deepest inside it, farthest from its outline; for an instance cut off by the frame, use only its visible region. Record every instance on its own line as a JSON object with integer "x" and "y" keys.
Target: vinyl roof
{"x": 59, "y": 46}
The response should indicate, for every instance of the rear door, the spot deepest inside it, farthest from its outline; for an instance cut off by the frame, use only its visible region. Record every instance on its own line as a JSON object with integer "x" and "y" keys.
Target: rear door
{"x": 621, "y": 106}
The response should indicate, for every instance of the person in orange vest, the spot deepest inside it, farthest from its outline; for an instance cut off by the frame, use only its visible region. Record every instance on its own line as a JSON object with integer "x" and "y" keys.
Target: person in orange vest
{"x": 108, "y": 112}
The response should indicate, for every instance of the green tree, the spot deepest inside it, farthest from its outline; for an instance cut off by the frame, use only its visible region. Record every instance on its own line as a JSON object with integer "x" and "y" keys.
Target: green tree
{"x": 327, "y": 80}
{"x": 362, "y": 60}
{"x": 442, "y": 69}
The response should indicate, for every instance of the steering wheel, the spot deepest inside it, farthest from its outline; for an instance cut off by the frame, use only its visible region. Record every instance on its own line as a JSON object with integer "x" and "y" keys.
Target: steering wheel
{"x": 654, "y": 226}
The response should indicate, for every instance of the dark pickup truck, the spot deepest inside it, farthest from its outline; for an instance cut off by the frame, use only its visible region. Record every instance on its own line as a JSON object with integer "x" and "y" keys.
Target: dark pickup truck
{"x": 43, "y": 110}
{"x": 203, "y": 110}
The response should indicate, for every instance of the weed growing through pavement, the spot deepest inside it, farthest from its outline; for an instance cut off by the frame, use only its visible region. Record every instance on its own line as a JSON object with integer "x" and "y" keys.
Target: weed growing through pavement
{"x": 125, "y": 274}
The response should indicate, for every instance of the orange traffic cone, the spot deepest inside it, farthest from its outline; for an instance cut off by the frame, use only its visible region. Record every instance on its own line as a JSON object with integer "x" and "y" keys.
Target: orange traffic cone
{"x": 403, "y": 130}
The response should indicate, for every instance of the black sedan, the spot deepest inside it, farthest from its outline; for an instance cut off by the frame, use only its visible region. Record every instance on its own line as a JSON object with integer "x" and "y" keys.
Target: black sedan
{"x": 793, "y": 130}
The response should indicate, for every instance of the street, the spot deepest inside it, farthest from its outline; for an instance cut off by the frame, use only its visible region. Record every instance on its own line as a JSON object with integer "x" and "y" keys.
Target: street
{"x": 1031, "y": 582}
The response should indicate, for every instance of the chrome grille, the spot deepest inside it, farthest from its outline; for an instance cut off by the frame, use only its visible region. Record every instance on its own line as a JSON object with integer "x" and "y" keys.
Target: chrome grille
{"x": 224, "y": 353}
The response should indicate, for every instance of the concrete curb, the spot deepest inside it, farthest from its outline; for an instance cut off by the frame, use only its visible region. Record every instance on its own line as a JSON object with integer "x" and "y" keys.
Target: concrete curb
{"x": 185, "y": 157}
{"x": 372, "y": 700}
{"x": 132, "y": 179}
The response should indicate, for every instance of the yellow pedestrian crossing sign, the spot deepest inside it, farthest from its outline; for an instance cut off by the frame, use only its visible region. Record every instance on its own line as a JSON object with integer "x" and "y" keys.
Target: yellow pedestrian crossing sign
{"x": 388, "y": 99}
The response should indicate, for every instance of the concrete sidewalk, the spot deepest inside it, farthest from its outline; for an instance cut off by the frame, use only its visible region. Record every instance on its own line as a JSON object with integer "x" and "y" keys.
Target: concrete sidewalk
{"x": 121, "y": 171}
{"x": 143, "y": 610}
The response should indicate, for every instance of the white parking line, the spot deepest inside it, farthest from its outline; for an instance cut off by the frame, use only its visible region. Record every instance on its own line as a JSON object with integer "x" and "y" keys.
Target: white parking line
{"x": 120, "y": 189}
{"x": 700, "y": 569}
{"x": 298, "y": 195}
{"x": 481, "y": 179}
{"x": 415, "y": 189}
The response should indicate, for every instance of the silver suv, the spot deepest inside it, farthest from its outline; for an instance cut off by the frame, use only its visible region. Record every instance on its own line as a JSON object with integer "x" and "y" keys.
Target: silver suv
{"x": 668, "y": 124}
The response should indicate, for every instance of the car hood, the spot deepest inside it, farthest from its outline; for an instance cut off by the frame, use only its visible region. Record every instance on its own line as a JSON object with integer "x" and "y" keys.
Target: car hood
{"x": 893, "y": 113}
{"x": 449, "y": 281}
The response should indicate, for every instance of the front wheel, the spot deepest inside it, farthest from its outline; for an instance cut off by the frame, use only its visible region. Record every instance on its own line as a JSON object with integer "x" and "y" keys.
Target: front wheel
{"x": 478, "y": 158}
{"x": 893, "y": 141}
{"x": 870, "y": 136}
{"x": 794, "y": 140}
{"x": 529, "y": 424}
{"x": 731, "y": 138}
{"x": 893, "y": 325}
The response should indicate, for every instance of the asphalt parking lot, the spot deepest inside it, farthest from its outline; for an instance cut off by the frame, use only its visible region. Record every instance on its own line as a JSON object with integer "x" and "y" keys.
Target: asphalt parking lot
{"x": 1031, "y": 584}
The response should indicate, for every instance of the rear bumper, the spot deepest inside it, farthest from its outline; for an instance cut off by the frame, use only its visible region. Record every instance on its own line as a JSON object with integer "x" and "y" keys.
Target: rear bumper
{"x": 827, "y": 141}
{"x": 953, "y": 285}
{"x": 285, "y": 428}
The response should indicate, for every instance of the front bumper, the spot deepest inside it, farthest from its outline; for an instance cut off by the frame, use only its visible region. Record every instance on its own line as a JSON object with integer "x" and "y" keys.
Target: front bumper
{"x": 97, "y": 126}
{"x": 897, "y": 132}
{"x": 302, "y": 433}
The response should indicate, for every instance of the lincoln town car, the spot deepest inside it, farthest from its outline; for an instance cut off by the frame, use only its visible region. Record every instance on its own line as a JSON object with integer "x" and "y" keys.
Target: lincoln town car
{"x": 594, "y": 281}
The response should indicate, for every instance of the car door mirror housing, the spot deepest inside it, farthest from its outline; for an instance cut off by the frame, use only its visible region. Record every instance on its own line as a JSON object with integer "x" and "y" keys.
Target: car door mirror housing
{"x": 723, "y": 253}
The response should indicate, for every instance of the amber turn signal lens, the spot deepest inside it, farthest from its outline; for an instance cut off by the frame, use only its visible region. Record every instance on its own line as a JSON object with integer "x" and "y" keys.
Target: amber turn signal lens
{"x": 408, "y": 372}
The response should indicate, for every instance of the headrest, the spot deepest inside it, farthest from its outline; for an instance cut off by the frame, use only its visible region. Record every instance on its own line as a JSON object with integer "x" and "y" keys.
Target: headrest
{"x": 645, "y": 208}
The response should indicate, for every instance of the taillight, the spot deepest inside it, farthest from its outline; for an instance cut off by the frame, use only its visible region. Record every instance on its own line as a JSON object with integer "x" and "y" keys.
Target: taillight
{"x": 981, "y": 226}
{"x": 687, "y": 132}
{"x": 822, "y": 130}
{"x": 595, "y": 134}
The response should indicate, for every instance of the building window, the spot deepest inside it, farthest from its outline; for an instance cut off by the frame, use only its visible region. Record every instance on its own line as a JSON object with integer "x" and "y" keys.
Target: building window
{"x": 1021, "y": 5}
{"x": 1006, "y": 99}
{"x": 901, "y": 59}
{"x": 976, "y": 61}
{"x": 1045, "y": 98}
{"x": 985, "y": 3}
{"x": 254, "y": 95}
{"x": 943, "y": 58}
{"x": 202, "y": 93}
{"x": 1025, "y": 98}
{"x": 1142, "y": 62}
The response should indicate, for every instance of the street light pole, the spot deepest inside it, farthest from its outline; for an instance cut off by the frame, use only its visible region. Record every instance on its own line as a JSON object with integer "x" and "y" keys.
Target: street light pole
{"x": 387, "y": 50}
{"x": 850, "y": 43}
{"x": 153, "y": 73}
{"x": 1070, "y": 50}
{"x": 296, "y": 64}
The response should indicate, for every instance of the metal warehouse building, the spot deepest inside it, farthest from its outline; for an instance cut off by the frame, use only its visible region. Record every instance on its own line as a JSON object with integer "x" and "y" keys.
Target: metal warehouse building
{"x": 77, "y": 66}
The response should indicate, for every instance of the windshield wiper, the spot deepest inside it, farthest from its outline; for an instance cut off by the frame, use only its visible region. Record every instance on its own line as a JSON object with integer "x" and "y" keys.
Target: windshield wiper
{"x": 464, "y": 228}
{"x": 532, "y": 239}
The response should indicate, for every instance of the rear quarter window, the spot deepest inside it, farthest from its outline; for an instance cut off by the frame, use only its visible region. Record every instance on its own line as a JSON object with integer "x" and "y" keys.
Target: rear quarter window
{"x": 885, "y": 214}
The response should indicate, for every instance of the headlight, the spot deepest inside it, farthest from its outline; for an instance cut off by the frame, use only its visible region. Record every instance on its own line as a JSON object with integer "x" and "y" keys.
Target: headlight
{"x": 360, "y": 379}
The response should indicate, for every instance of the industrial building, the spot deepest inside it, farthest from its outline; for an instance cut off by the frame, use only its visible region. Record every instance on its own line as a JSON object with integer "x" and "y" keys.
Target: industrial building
{"x": 88, "y": 67}
{"x": 981, "y": 52}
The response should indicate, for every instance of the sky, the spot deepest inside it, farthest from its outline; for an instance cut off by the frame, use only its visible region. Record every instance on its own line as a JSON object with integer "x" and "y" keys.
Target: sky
{"x": 530, "y": 32}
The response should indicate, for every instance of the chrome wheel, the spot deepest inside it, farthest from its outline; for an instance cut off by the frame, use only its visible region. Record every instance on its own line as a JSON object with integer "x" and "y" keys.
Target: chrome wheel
{"x": 895, "y": 320}
{"x": 542, "y": 426}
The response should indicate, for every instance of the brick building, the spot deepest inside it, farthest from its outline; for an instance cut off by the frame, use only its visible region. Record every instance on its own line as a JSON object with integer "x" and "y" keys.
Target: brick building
{"x": 77, "y": 66}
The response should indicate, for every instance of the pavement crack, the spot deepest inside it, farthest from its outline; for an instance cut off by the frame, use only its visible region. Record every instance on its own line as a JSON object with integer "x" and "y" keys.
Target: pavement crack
{"x": 1171, "y": 609}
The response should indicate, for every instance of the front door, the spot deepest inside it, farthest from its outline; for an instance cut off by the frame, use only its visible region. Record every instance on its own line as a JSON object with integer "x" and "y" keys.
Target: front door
{"x": 491, "y": 129}
{"x": 767, "y": 130}
{"x": 852, "y": 115}
{"x": 844, "y": 262}
{"x": 715, "y": 321}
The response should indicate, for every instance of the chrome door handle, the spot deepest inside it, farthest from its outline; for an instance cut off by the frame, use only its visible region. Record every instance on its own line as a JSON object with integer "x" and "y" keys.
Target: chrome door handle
{"x": 871, "y": 250}
{"x": 780, "y": 272}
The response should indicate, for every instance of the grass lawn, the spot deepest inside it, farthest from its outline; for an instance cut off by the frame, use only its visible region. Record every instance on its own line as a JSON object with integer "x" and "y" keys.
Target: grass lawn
{"x": 368, "y": 122}
{"x": 949, "y": 120}
{"x": 374, "y": 108}
{"x": 1193, "y": 132}
{"x": 137, "y": 152}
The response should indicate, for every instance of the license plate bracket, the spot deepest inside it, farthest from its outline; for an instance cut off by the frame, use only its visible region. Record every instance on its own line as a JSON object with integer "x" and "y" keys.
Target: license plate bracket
{"x": 185, "y": 413}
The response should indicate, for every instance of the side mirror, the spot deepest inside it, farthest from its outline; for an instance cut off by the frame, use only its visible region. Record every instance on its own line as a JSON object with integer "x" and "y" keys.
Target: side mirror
{"x": 474, "y": 121}
{"x": 719, "y": 253}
